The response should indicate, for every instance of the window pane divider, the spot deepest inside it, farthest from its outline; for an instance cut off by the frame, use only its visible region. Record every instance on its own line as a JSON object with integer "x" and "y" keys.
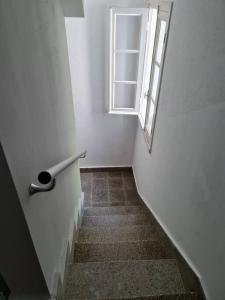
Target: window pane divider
{"x": 125, "y": 81}
{"x": 126, "y": 51}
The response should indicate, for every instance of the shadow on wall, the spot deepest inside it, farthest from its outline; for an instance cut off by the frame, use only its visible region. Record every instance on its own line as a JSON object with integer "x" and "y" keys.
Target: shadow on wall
{"x": 4, "y": 290}
{"x": 18, "y": 260}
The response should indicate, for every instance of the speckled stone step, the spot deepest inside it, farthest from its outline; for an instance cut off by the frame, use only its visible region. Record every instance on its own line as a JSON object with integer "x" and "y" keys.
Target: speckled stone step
{"x": 183, "y": 296}
{"x": 117, "y": 220}
{"x": 124, "y": 234}
{"x": 140, "y": 250}
{"x": 123, "y": 279}
{"x": 112, "y": 203}
{"x": 114, "y": 210}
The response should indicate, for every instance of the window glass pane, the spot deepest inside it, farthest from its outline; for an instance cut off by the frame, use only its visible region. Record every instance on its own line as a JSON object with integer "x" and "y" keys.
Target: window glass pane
{"x": 124, "y": 95}
{"x": 128, "y": 29}
{"x": 155, "y": 82}
{"x": 161, "y": 41}
{"x": 150, "y": 47}
{"x": 126, "y": 66}
{"x": 150, "y": 117}
{"x": 148, "y": 62}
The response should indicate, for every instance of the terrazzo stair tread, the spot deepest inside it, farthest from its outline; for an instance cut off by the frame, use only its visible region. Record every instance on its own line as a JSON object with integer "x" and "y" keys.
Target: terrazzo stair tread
{"x": 115, "y": 200}
{"x": 183, "y": 296}
{"x": 123, "y": 279}
{"x": 117, "y": 220}
{"x": 113, "y": 203}
{"x": 118, "y": 210}
{"x": 139, "y": 250}
{"x": 124, "y": 234}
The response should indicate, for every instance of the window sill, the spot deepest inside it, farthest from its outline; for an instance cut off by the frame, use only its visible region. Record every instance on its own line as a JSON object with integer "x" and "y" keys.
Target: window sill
{"x": 132, "y": 113}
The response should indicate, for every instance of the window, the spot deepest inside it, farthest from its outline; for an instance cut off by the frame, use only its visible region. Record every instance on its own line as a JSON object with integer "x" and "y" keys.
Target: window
{"x": 138, "y": 39}
{"x": 154, "y": 59}
{"x": 127, "y": 41}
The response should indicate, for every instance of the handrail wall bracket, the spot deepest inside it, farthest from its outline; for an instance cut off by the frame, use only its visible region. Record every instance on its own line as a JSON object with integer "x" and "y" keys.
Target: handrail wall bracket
{"x": 34, "y": 189}
{"x": 48, "y": 177}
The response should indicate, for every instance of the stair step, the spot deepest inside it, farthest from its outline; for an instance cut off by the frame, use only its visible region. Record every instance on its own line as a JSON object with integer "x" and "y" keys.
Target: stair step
{"x": 124, "y": 234}
{"x": 124, "y": 279}
{"x": 140, "y": 250}
{"x": 183, "y": 296}
{"x": 114, "y": 210}
{"x": 112, "y": 203}
{"x": 117, "y": 220}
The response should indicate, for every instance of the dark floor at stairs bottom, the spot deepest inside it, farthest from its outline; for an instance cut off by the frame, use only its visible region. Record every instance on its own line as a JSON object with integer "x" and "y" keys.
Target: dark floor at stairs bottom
{"x": 121, "y": 252}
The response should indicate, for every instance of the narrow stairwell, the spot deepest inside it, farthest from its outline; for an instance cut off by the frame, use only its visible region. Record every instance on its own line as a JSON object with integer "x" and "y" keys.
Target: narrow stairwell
{"x": 121, "y": 252}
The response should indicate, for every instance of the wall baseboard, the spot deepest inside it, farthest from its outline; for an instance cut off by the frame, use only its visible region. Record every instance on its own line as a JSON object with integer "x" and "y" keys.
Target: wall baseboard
{"x": 105, "y": 167}
{"x": 201, "y": 284}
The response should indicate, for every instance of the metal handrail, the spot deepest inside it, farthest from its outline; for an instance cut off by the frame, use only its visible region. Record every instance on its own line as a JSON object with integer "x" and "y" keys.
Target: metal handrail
{"x": 48, "y": 177}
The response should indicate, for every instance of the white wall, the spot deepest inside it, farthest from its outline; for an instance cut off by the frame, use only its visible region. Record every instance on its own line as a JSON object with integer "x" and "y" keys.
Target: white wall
{"x": 183, "y": 179}
{"x": 73, "y": 8}
{"x": 109, "y": 139}
{"x": 37, "y": 121}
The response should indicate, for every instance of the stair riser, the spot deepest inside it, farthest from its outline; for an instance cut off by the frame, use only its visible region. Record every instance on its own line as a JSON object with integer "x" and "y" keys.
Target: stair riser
{"x": 124, "y": 234}
{"x": 122, "y": 251}
{"x": 112, "y": 203}
{"x": 186, "y": 296}
{"x": 117, "y": 220}
{"x": 110, "y": 211}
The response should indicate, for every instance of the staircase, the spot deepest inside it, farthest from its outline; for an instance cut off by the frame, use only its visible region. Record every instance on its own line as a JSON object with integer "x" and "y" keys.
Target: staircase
{"x": 121, "y": 251}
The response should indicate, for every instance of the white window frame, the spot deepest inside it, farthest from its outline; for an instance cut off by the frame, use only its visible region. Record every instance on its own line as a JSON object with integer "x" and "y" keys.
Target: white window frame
{"x": 164, "y": 14}
{"x": 143, "y": 12}
{"x": 150, "y": 37}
